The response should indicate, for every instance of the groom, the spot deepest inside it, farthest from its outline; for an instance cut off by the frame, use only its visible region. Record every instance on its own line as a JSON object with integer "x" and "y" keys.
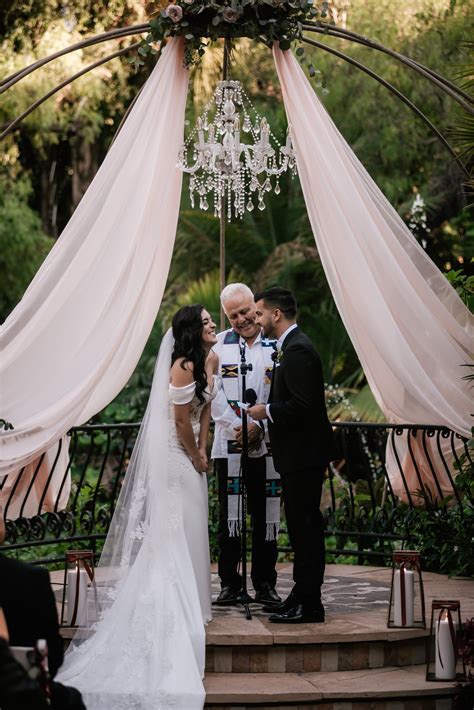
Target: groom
{"x": 301, "y": 438}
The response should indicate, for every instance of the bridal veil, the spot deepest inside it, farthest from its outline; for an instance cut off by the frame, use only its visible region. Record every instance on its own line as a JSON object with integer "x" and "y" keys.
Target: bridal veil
{"x": 147, "y": 648}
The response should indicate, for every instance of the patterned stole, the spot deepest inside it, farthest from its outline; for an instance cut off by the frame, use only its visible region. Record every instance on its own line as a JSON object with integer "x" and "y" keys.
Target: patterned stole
{"x": 231, "y": 382}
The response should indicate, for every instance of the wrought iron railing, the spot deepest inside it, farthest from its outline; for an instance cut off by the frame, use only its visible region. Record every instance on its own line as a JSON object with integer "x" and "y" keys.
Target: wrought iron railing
{"x": 364, "y": 517}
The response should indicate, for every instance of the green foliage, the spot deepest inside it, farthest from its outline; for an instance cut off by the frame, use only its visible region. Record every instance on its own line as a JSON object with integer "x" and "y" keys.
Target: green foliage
{"x": 262, "y": 20}
{"x": 445, "y": 539}
{"x": 463, "y": 284}
{"x": 393, "y": 144}
{"x": 442, "y": 531}
{"x": 23, "y": 244}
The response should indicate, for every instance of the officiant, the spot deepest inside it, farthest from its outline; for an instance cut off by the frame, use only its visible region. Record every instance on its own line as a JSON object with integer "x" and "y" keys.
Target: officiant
{"x": 263, "y": 484}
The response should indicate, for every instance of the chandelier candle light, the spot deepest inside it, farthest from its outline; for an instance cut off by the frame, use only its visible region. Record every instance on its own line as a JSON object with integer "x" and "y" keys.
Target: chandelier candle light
{"x": 226, "y": 167}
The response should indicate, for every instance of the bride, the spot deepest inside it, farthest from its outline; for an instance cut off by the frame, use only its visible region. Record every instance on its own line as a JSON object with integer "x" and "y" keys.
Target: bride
{"x": 147, "y": 649}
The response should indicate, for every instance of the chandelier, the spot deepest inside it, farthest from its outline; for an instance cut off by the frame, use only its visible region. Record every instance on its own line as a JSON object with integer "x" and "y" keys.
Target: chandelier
{"x": 225, "y": 169}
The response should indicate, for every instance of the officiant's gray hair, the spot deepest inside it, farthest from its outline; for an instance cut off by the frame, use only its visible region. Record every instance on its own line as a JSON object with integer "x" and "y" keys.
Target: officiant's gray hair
{"x": 232, "y": 290}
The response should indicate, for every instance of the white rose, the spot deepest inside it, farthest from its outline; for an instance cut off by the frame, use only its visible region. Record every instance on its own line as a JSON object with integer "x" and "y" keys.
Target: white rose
{"x": 174, "y": 12}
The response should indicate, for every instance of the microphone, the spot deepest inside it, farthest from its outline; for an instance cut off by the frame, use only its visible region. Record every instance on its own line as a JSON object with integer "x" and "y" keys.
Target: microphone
{"x": 250, "y": 397}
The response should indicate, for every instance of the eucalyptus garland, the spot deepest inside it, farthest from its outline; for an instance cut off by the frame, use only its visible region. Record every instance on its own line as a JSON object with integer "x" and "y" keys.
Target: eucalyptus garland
{"x": 199, "y": 21}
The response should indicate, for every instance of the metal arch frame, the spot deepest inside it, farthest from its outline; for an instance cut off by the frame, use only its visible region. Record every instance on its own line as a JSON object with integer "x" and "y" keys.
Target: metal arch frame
{"x": 454, "y": 91}
{"x": 117, "y": 33}
{"x": 11, "y": 127}
{"x": 397, "y": 93}
{"x": 445, "y": 85}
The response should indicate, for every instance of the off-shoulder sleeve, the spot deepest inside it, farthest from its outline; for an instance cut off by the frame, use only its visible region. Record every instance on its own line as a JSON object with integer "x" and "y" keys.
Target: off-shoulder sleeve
{"x": 182, "y": 395}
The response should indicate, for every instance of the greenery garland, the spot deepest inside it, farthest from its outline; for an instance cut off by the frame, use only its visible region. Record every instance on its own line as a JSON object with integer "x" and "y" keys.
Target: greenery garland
{"x": 198, "y": 20}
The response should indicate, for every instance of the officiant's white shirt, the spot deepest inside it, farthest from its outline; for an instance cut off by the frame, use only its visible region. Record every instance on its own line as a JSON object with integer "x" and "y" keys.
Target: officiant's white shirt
{"x": 222, "y": 413}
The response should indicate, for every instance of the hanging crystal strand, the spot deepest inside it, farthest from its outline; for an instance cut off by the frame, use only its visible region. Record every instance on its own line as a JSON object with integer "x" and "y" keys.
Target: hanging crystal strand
{"x": 237, "y": 191}
{"x": 223, "y": 165}
{"x": 246, "y": 125}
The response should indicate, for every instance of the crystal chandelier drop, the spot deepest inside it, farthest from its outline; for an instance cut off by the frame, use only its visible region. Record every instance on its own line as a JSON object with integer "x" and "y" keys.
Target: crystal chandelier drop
{"x": 226, "y": 167}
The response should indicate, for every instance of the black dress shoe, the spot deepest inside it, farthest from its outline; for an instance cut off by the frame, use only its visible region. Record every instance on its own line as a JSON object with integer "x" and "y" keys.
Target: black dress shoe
{"x": 266, "y": 594}
{"x": 281, "y": 607}
{"x": 229, "y": 596}
{"x": 299, "y": 614}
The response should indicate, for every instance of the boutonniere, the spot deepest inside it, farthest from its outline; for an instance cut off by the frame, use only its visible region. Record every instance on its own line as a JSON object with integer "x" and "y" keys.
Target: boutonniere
{"x": 277, "y": 355}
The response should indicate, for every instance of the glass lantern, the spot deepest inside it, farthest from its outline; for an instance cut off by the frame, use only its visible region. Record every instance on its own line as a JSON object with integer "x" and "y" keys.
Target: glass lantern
{"x": 407, "y": 599}
{"x": 443, "y": 660}
{"x": 78, "y": 575}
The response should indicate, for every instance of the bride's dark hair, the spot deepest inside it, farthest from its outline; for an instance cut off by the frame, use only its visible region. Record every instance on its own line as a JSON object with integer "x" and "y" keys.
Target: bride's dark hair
{"x": 187, "y": 332}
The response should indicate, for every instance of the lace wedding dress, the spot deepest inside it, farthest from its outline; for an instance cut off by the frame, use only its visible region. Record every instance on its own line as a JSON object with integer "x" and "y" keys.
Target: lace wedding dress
{"x": 147, "y": 649}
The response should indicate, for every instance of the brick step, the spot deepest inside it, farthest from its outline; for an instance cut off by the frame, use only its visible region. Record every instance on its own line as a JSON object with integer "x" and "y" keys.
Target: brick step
{"x": 377, "y": 689}
{"x": 235, "y": 645}
{"x": 294, "y": 650}
{"x": 320, "y": 657}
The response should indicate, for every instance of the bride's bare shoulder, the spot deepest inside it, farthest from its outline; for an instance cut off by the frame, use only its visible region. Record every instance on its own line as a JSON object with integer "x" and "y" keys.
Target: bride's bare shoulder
{"x": 182, "y": 372}
{"x": 213, "y": 359}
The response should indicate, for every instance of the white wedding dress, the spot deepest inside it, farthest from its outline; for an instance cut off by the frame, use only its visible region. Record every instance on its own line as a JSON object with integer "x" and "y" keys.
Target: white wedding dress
{"x": 147, "y": 650}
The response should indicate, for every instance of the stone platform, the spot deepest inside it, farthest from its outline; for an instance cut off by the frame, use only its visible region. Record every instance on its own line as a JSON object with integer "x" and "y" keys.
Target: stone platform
{"x": 351, "y": 662}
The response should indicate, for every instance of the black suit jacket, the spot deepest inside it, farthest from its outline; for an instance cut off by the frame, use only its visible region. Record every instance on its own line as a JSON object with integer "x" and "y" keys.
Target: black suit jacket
{"x": 28, "y": 603}
{"x": 300, "y": 435}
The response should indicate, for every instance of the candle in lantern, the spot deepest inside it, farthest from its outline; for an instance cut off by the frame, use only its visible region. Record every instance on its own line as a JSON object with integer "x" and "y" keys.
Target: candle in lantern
{"x": 80, "y": 587}
{"x": 445, "y": 648}
{"x": 408, "y": 581}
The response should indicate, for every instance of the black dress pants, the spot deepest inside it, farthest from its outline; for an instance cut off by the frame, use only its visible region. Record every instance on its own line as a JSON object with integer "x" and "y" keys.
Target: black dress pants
{"x": 264, "y": 552}
{"x": 302, "y": 498}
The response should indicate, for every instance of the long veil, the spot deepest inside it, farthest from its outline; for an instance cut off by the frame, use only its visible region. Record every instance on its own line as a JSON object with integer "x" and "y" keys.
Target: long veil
{"x": 147, "y": 647}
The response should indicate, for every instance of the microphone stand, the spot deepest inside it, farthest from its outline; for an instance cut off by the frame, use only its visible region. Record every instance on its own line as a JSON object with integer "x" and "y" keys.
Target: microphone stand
{"x": 245, "y": 599}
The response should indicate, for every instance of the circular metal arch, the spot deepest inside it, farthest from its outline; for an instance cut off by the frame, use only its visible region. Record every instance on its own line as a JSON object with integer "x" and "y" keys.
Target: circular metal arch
{"x": 394, "y": 91}
{"x": 11, "y": 127}
{"x": 443, "y": 84}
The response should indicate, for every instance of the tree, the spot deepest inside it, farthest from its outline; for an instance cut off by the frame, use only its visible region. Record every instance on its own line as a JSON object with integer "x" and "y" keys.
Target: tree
{"x": 23, "y": 244}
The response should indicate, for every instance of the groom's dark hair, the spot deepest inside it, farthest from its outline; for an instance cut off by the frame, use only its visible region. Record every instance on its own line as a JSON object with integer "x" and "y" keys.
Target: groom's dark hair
{"x": 278, "y": 297}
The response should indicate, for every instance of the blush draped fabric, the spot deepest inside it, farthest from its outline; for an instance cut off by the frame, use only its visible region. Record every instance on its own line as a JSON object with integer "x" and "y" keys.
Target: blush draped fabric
{"x": 410, "y": 329}
{"x": 75, "y": 338}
